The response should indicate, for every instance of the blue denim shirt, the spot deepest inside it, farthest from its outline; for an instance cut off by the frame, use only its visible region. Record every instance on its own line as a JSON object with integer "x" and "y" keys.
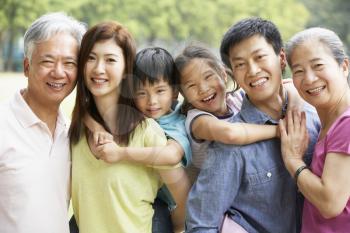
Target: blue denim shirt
{"x": 248, "y": 182}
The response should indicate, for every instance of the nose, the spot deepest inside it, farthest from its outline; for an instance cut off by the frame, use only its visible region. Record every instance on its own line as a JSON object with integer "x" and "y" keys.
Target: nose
{"x": 152, "y": 99}
{"x": 254, "y": 68}
{"x": 309, "y": 77}
{"x": 203, "y": 87}
{"x": 59, "y": 70}
{"x": 99, "y": 67}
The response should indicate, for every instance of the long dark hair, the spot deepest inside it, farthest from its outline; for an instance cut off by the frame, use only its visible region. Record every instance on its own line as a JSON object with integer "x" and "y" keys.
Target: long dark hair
{"x": 127, "y": 116}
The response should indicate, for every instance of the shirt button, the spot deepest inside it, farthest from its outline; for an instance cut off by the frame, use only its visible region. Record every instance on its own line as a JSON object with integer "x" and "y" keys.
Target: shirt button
{"x": 269, "y": 174}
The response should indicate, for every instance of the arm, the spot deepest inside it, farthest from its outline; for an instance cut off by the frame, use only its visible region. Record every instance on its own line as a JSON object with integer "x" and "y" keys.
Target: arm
{"x": 214, "y": 191}
{"x": 328, "y": 193}
{"x": 210, "y": 128}
{"x": 168, "y": 155}
{"x": 294, "y": 99}
{"x": 179, "y": 185}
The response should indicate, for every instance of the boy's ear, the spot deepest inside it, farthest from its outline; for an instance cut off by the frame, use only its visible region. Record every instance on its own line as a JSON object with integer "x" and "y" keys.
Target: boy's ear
{"x": 283, "y": 59}
{"x": 175, "y": 93}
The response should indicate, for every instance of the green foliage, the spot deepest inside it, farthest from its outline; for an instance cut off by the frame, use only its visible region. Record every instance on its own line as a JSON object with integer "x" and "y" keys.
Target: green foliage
{"x": 160, "y": 21}
{"x": 332, "y": 14}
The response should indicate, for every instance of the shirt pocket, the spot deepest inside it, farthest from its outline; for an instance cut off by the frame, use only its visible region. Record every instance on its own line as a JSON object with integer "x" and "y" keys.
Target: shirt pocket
{"x": 264, "y": 178}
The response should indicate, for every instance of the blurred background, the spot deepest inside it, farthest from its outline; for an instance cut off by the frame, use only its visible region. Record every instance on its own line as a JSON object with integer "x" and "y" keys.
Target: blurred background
{"x": 167, "y": 23}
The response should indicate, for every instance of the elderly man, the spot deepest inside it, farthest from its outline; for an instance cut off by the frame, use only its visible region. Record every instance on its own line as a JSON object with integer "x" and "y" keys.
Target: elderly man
{"x": 34, "y": 147}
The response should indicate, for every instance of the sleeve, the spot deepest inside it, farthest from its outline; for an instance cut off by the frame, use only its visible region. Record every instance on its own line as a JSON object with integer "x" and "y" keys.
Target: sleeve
{"x": 338, "y": 140}
{"x": 214, "y": 191}
{"x": 178, "y": 133}
{"x": 191, "y": 116}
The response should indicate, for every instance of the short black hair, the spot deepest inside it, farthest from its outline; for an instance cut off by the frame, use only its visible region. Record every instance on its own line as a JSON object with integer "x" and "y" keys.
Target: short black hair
{"x": 153, "y": 65}
{"x": 247, "y": 28}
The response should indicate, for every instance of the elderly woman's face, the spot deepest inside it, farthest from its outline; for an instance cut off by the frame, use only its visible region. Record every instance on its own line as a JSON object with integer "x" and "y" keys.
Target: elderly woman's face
{"x": 319, "y": 79}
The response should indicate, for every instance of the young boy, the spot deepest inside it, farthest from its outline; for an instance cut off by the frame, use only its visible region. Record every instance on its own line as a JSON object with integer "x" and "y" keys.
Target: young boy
{"x": 249, "y": 183}
{"x": 156, "y": 94}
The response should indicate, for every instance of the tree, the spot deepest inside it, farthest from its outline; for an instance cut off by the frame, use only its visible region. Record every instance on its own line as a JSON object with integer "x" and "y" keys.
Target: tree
{"x": 332, "y": 14}
{"x": 166, "y": 23}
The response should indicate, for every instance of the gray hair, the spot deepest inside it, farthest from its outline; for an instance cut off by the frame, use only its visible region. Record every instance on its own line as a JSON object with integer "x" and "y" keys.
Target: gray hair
{"x": 49, "y": 25}
{"x": 325, "y": 36}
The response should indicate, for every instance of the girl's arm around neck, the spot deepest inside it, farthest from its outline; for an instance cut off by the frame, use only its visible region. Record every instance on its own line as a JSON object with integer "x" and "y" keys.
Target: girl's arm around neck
{"x": 210, "y": 128}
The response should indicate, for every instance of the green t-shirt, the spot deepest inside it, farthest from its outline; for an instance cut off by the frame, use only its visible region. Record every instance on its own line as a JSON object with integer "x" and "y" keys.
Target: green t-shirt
{"x": 109, "y": 198}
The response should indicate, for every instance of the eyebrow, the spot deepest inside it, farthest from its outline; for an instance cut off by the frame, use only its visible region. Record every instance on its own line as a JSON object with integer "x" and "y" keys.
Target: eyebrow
{"x": 106, "y": 55}
{"x": 253, "y": 52}
{"x": 312, "y": 60}
{"x": 53, "y": 57}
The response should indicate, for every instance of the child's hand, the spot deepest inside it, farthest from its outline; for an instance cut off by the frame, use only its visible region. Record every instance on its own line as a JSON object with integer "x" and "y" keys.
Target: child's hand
{"x": 109, "y": 152}
{"x": 100, "y": 138}
{"x": 294, "y": 138}
{"x": 103, "y": 147}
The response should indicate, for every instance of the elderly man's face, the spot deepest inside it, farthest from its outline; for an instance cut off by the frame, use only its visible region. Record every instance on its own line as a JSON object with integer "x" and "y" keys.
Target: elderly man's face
{"x": 52, "y": 71}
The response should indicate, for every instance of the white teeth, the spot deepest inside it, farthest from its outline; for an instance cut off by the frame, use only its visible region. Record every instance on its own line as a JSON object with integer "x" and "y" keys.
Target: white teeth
{"x": 315, "y": 90}
{"x": 98, "y": 80}
{"x": 56, "y": 85}
{"x": 258, "y": 82}
{"x": 209, "y": 97}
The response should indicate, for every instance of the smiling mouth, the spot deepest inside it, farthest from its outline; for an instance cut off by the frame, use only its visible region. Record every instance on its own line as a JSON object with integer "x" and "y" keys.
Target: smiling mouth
{"x": 258, "y": 82}
{"x": 98, "y": 80}
{"x": 56, "y": 85}
{"x": 209, "y": 98}
{"x": 316, "y": 90}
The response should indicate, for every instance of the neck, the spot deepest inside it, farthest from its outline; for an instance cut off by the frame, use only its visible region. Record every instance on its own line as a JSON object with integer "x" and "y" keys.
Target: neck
{"x": 46, "y": 112}
{"x": 273, "y": 105}
{"x": 107, "y": 107}
{"x": 329, "y": 115}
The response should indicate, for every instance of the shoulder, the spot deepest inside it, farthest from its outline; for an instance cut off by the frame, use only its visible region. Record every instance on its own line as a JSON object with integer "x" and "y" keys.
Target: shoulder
{"x": 194, "y": 113}
{"x": 150, "y": 133}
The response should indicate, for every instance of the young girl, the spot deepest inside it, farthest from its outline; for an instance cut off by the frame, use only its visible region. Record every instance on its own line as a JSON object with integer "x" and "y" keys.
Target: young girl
{"x": 320, "y": 70}
{"x": 203, "y": 79}
{"x": 112, "y": 197}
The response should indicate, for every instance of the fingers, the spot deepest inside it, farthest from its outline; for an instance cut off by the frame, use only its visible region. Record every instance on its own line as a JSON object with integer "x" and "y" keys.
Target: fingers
{"x": 100, "y": 138}
{"x": 282, "y": 127}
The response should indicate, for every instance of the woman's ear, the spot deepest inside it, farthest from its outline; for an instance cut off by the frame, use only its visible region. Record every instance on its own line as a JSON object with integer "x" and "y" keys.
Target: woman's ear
{"x": 345, "y": 67}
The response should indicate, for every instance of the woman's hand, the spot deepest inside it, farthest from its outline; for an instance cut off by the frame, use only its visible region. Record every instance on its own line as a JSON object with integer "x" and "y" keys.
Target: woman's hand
{"x": 294, "y": 139}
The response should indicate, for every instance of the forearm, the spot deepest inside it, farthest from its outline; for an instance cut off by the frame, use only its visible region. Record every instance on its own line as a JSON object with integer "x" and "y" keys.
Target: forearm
{"x": 178, "y": 184}
{"x": 168, "y": 155}
{"x": 92, "y": 125}
{"x": 317, "y": 192}
{"x": 242, "y": 133}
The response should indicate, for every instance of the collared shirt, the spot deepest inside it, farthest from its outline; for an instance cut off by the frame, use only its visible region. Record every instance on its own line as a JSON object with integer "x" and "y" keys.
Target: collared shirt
{"x": 34, "y": 171}
{"x": 249, "y": 182}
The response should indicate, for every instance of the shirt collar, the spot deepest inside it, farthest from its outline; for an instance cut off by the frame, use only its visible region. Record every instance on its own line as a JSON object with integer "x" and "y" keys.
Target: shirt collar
{"x": 251, "y": 114}
{"x": 27, "y": 117}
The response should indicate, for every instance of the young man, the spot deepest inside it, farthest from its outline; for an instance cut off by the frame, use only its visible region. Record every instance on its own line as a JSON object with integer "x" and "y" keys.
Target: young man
{"x": 34, "y": 148}
{"x": 250, "y": 183}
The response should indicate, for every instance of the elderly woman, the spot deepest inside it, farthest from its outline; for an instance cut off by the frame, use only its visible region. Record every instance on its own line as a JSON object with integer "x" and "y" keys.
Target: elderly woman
{"x": 320, "y": 69}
